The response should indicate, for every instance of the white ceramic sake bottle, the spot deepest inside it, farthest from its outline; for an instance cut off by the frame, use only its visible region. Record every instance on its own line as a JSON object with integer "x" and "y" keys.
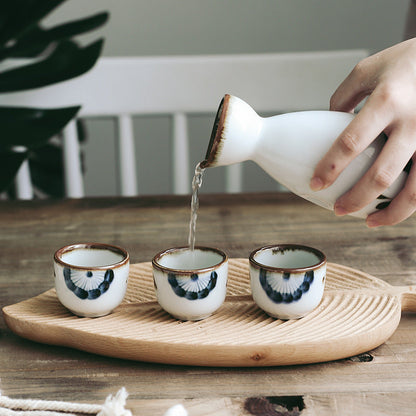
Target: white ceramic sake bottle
{"x": 288, "y": 147}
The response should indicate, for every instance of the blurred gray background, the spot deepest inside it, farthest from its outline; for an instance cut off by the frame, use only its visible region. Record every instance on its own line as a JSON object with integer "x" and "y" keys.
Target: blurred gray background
{"x": 184, "y": 27}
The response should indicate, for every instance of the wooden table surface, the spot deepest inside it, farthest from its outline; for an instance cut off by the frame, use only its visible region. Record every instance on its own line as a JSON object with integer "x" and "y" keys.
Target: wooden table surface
{"x": 380, "y": 382}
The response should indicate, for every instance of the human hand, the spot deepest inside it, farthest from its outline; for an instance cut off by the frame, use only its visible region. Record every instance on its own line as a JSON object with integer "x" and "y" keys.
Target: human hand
{"x": 388, "y": 79}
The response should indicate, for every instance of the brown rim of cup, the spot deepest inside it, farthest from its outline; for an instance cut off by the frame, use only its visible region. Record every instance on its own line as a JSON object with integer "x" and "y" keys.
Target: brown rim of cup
{"x": 99, "y": 246}
{"x": 159, "y": 255}
{"x": 282, "y": 247}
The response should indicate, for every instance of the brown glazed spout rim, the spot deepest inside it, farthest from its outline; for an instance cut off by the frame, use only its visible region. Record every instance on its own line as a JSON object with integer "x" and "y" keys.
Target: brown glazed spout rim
{"x": 214, "y": 146}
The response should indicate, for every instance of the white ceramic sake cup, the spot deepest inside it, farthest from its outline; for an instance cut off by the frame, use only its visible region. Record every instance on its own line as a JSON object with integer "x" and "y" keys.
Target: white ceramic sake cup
{"x": 190, "y": 284}
{"x": 287, "y": 280}
{"x": 91, "y": 278}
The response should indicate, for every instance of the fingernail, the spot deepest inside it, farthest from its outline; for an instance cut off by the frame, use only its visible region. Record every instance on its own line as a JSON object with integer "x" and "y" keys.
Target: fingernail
{"x": 339, "y": 211}
{"x": 372, "y": 223}
{"x": 316, "y": 183}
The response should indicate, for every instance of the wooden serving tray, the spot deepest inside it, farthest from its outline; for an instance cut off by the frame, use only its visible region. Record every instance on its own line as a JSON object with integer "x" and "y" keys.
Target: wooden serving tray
{"x": 358, "y": 313}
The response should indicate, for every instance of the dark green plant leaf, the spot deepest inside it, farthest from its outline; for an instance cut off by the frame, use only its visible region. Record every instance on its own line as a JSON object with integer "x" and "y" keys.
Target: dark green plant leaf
{"x": 67, "y": 61}
{"x": 10, "y": 163}
{"x": 37, "y": 39}
{"x": 22, "y": 36}
{"x": 21, "y": 15}
{"x": 46, "y": 170}
{"x": 32, "y": 127}
{"x": 23, "y": 50}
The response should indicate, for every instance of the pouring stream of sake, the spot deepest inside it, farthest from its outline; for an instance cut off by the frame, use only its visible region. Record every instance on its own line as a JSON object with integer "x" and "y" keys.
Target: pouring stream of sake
{"x": 196, "y": 184}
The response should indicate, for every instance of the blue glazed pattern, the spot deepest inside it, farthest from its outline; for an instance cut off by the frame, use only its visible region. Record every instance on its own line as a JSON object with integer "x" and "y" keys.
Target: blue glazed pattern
{"x": 285, "y": 289}
{"x": 88, "y": 285}
{"x": 194, "y": 287}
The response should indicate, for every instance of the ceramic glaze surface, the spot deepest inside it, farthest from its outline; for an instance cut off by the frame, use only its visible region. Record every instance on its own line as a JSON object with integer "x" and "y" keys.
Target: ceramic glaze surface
{"x": 91, "y": 279}
{"x": 289, "y": 146}
{"x": 190, "y": 259}
{"x": 289, "y": 259}
{"x": 287, "y": 281}
{"x": 190, "y": 285}
{"x": 91, "y": 257}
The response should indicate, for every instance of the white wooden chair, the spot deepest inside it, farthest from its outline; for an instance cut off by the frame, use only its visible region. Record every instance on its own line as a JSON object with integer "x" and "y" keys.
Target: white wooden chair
{"x": 179, "y": 86}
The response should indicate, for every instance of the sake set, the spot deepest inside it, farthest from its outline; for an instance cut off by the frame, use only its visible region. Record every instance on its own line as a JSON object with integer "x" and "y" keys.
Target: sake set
{"x": 287, "y": 281}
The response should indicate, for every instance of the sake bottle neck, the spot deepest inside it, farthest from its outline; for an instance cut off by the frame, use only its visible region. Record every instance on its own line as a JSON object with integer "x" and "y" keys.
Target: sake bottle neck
{"x": 234, "y": 135}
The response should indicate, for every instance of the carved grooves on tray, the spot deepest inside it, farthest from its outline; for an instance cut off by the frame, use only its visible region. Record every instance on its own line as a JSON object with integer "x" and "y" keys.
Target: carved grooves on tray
{"x": 242, "y": 323}
{"x": 246, "y": 325}
{"x": 140, "y": 288}
{"x": 345, "y": 278}
{"x": 239, "y": 277}
{"x": 344, "y": 314}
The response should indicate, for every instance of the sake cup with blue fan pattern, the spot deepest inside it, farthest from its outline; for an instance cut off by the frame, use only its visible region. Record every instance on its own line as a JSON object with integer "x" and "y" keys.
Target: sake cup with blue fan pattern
{"x": 287, "y": 280}
{"x": 190, "y": 284}
{"x": 91, "y": 278}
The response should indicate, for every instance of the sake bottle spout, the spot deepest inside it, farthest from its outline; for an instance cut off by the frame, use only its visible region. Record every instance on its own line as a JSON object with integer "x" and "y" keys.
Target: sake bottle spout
{"x": 234, "y": 135}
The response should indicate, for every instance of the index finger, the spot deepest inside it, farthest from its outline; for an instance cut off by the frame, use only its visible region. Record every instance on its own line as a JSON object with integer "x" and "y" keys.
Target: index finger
{"x": 363, "y": 129}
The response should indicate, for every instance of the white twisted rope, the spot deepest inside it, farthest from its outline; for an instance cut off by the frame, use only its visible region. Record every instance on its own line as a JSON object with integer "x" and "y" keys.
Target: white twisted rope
{"x": 113, "y": 406}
